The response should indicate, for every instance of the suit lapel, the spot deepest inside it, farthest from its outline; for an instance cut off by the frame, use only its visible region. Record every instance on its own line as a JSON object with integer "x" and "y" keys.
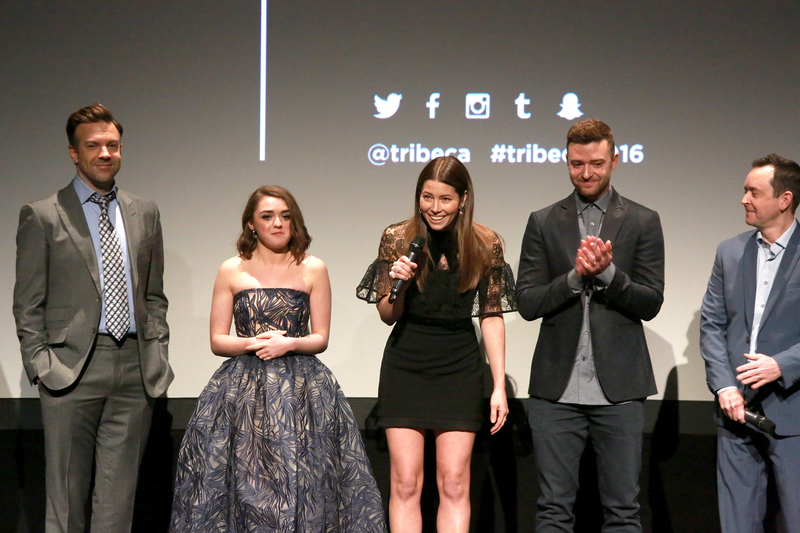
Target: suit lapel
{"x": 612, "y": 220}
{"x": 788, "y": 264}
{"x": 133, "y": 234}
{"x": 568, "y": 227}
{"x": 749, "y": 260}
{"x": 69, "y": 209}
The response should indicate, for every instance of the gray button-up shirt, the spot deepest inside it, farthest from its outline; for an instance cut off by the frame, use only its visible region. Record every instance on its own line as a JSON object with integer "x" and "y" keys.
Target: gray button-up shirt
{"x": 584, "y": 387}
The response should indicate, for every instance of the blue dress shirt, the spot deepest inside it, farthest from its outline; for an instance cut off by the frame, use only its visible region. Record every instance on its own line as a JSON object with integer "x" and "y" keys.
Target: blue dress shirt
{"x": 91, "y": 211}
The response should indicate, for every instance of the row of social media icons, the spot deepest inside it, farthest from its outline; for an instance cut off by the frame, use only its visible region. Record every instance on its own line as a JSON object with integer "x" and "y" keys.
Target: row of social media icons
{"x": 477, "y": 106}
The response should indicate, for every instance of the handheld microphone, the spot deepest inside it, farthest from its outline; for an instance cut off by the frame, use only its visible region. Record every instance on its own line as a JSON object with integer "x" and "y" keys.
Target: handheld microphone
{"x": 761, "y": 422}
{"x": 414, "y": 251}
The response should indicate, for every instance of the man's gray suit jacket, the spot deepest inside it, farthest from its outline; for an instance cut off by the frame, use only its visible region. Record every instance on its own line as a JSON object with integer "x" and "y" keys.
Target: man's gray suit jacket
{"x": 57, "y": 297}
{"x": 726, "y": 322}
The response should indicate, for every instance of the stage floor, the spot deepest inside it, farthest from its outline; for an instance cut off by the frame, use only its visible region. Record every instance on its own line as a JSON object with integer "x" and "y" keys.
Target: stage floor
{"x": 678, "y": 487}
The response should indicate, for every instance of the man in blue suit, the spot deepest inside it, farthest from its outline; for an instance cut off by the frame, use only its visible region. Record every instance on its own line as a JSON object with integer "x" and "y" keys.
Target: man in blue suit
{"x": 750, "y": 340}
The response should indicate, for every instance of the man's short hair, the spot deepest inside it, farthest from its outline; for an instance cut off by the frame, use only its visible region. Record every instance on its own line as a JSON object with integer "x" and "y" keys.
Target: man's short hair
{"x": 589, "y": 131}
{"x": 89, "y": 115}
{"x": 786, "y": 176}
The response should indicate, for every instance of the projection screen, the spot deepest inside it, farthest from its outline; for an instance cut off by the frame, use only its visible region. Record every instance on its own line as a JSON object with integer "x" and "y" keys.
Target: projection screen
{"x": 693, "y": 91}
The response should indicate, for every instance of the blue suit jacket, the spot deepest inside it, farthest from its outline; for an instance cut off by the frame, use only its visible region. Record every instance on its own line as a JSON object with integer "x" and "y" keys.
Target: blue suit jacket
{"x": 726, "y": 320}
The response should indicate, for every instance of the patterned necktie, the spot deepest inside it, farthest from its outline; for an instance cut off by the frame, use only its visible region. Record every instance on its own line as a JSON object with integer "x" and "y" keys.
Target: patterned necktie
{"x": 115, "y": 290}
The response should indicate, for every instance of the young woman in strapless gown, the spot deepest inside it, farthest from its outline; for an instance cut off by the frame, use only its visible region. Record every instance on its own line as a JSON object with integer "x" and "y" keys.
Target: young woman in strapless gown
{"x": 273, "y": 445}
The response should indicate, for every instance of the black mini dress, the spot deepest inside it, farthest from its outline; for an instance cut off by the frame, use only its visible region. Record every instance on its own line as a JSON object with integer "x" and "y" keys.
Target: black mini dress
{"x": 432, "y": 369}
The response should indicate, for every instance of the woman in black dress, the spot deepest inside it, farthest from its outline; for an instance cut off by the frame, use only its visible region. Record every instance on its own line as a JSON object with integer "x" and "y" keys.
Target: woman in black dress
{"x": 431, "y": 375}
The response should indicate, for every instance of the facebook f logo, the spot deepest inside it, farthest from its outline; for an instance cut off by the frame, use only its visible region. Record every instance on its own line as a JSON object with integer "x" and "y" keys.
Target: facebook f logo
{"x": 432, "y": 105}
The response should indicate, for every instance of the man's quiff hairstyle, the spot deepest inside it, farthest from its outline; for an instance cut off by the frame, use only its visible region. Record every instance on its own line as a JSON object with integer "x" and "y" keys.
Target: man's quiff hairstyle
{"x": 89, "y": 115}
{"x": 786, "y": 176}
{"x": 589, "y": 131}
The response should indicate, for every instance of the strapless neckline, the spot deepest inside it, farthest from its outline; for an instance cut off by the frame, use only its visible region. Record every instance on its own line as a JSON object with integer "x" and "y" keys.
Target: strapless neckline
{"x": 253, "y": 289}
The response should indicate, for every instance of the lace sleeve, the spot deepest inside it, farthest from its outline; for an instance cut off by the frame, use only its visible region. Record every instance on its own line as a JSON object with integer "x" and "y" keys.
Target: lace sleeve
{"x": 496, "y": 291}
{"x": 376, "y": 282}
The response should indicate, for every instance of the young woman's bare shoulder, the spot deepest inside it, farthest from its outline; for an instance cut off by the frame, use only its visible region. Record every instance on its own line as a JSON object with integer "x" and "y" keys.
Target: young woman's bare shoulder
{"x": 230, "y": 267}
{"x": 314, "y": 265}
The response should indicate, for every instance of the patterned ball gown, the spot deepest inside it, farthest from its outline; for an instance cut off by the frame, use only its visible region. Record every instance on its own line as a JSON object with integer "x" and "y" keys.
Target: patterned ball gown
{"x": 273, "y": 446}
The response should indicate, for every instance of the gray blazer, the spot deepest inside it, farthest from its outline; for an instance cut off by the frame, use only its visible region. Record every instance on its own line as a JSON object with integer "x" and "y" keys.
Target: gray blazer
{"x": 57, "y": 298}
{"x": 549, "y": 247}
{"x": 726, "y": 320}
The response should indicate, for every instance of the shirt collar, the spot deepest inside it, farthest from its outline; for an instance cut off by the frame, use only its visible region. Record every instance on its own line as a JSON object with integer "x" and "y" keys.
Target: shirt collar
{"x": 84, "y": 191}
{"x": 781, "y": 242}
{"x": 601, "y": 203}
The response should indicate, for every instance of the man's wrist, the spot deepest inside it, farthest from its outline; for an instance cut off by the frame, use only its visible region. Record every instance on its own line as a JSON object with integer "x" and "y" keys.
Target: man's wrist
{"x": 574, "y": 281}
{"x": 606, "y": 276}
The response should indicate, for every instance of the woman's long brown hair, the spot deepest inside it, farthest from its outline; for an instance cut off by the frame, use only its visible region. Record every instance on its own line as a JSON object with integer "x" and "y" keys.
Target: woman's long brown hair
{"x": 474, "y": 240}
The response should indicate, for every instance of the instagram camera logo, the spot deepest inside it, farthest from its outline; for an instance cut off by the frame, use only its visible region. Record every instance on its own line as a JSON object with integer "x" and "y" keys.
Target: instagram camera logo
{"x": 477, "y": 105}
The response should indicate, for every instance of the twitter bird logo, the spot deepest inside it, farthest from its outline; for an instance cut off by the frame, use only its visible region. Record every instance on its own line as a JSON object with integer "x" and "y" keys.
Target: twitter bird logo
{"x": 387, "y": 108}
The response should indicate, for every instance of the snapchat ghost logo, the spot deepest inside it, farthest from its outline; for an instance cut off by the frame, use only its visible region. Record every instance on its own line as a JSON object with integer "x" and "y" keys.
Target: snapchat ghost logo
{"x": 569, "y": 107}
{"x": 388, "y": 107}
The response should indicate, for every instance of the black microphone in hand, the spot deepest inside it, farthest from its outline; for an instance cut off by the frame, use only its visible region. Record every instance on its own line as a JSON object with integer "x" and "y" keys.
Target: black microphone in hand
{"x": 761, "y": 422}
{"x": 414, "y": 251}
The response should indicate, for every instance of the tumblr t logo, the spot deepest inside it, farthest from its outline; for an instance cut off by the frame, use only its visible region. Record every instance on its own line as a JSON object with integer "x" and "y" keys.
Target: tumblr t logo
{"x": 521, "y": 102}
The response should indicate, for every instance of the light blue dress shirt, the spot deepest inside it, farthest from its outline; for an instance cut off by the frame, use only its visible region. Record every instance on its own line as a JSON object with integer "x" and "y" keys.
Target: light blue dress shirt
{"x": 769, "y": 261}
{"x": 91, "y": 211}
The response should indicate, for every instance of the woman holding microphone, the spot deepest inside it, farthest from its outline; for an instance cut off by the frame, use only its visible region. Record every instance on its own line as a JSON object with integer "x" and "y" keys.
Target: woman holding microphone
{"x": 432, "y": 369}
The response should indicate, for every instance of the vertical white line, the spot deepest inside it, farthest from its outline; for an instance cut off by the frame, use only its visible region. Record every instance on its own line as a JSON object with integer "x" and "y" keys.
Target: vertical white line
{"x": 263, "y": 116}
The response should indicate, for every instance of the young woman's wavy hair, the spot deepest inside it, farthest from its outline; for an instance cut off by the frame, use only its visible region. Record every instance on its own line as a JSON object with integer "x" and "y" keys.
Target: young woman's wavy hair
{"x": 474, "y": 240}
{"x": 299, "y": 240}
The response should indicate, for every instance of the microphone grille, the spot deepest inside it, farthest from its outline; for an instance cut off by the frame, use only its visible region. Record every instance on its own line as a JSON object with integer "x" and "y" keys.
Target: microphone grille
{"x": 767, "y": 426}
{"x": 417, "y": 242}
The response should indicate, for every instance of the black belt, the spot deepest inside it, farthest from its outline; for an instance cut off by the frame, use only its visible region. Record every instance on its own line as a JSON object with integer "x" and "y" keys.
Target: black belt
{"x": 126, "y": 336}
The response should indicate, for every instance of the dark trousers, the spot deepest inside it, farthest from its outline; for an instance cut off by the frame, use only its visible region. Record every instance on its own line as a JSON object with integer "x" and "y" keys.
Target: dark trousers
{"x": 105, "y": 418}
{"x": 743, "y": 457}
{"x": 560, "y": 432}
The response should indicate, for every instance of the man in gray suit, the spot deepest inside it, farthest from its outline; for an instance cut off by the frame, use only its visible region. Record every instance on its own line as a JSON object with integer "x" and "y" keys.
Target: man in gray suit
{"x": 591, "y": 369}
{"x": 91, "y": 320}
{"x": 750, "y": 340}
